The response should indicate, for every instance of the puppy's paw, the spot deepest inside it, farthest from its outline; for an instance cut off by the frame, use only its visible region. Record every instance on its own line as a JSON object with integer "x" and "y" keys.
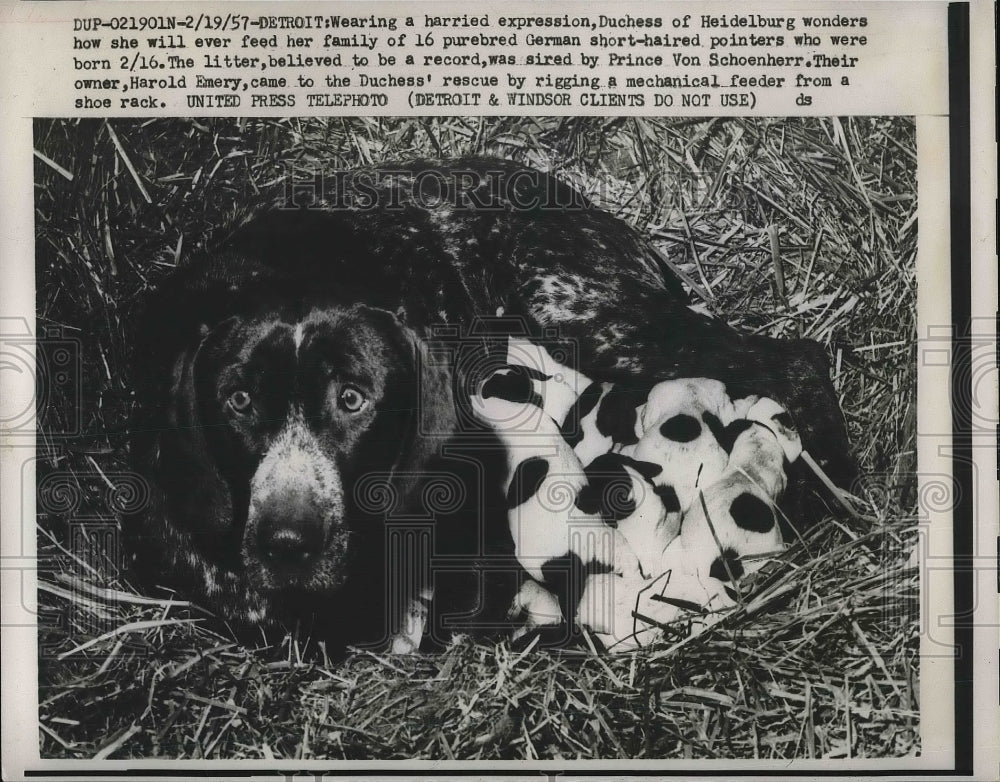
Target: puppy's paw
{"x": 533, "y": 606}
{"x": 626, "y": 561}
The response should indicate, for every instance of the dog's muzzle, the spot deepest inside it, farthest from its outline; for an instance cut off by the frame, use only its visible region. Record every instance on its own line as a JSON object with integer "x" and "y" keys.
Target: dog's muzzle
{"x": 296, "y": 506}
{"x": 290, "y": 532}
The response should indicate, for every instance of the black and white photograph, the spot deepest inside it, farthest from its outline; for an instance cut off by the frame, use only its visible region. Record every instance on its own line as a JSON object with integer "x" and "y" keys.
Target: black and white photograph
{"x": 551, "y": 438}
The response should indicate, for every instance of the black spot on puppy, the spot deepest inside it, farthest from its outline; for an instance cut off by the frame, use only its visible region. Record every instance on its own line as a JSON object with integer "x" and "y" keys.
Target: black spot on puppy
{"x": 752, "y": 513}
{"x": 668, "y": 496}
{"x": 681, "y": 428}
{"x": 515, "y": 385}
{"x": 728, "y": 559}
{"x": 616, "y": 417}
{"x": 528, "y": 476}
{"x": 588, "y": 500}
{"x": 609, "y": 487}
{"x": 715, "y": 426}
{"x": 785, "y": 420}
{"x": 571, "y": 430}
{"x": 726, "y": 436}
{"x": 647, "y": 470}
{"x": 565, "y": 577}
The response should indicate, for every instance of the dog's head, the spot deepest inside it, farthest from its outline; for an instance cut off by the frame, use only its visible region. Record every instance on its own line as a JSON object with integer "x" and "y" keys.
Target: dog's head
{"x": 275, "y": 421}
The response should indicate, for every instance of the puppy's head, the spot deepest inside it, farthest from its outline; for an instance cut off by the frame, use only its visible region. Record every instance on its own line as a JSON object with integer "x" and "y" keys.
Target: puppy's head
{"x": 290, "y": 414}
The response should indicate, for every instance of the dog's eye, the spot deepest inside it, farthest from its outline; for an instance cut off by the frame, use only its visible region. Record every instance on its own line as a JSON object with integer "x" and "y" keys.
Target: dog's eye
{"x": 239, "y": 401}
{"x": 352, "y": 400}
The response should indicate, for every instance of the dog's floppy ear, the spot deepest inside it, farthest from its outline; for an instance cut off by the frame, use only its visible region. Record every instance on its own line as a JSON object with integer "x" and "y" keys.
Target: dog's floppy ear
{"x": 433, "y": 418}
{"x": 197, "y": 497}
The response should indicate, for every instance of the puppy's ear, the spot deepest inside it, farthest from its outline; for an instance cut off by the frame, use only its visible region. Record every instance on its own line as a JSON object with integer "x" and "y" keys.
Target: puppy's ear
{"x": 773, "y": 416}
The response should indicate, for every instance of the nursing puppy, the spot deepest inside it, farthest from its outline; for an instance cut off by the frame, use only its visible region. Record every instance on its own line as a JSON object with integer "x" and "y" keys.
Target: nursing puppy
{"x": 547, "y": 406}
{"x": 729, "y": 532}
{"x": 543, "y": 483}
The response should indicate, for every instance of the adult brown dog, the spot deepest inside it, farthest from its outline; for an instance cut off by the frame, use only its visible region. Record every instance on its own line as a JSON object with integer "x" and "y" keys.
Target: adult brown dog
{"x": 301, "y": 388}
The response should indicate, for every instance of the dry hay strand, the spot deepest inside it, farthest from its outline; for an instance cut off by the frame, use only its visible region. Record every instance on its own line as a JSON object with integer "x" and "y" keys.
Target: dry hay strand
{"x": 821, "y": 661}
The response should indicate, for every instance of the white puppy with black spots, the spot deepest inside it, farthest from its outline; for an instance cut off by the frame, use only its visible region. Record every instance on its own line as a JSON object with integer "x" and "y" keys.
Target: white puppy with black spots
{"x": 601, "y": 421}
{"x": 543, "y": 482}
{"x": 685, "y": 452}
{"x": 729, "y": 531}
{"x": 545, "y": 414}
{"x": 685, "y": 429}
{"x": 610, "y": 514}
{"x": 587, "y": 412}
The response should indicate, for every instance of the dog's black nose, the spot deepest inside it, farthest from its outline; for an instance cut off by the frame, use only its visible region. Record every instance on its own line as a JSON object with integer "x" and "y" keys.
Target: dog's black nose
{"x": 289, "y": 544}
